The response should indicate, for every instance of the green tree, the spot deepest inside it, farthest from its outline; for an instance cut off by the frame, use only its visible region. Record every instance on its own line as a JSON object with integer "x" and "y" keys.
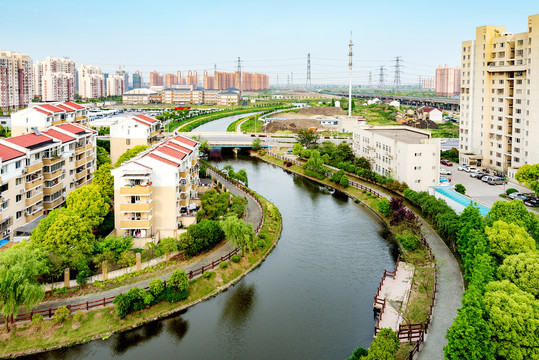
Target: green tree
{"x": 460, "y": 189}
{"x": 102, "y": 156}
{"x": 114, "y": 243}
{"x": 20, "y": 266}
{"x": 508, "y": 239}
{"x": 315, "y": 164}
{"x": 307, "y": 137}
{"x": 67, "y": 238}
{"x": 513, "y": 321}
{"x": 514, "y": 212}
{"x": 384, "y": 346}
{"x": 89, "y": 203}
{"x": 239, "y": 233}
{"x": 522, "y": 270}
{"x": 178, "y": 280}
{"x": 344, "y": 181}
{"x": 104, "y": 180}
{"x": 529, "y": 175}
{"x": 129, "y": 154}
{"x": 297, "y": 149}
{"x": 201, "y": 237}
{"x": 363, "y": 163}
{"x": 343, "y": 152}
{"x": 257, "y": 144}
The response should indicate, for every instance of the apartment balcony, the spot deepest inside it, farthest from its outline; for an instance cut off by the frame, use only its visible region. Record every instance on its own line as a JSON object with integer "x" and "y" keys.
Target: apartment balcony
{"x": 184, "y": 174}
{"x": 80, "y": 162}
{"x": 89, "y": 158}
{"x": 32, "y": 216}
{"x": 53, "y": 175}
{"x": 136, "y": 190}
{"x": 136, "y": 224}
{"x": 492, "y": 67}
{"x": 80, "y": 175}
{"x": 34, "y": 199}
{"x": 52, "y": 161}
{"x": 59, "y": 122}
{"x": 32, "y": 184}
{"x": 184, "y": 188}
{"x": 53, "y": 189}
{"x": 89, "y": 147}
{"x": 154, "y": 133}
{"x": 193, "y": 162}
{"x": 138, "y": 207}
{"x": 80, "y": 150}
{"x": 81, "y": 118}
{"x": 33, "y": 168}
{"x": 53, "y": 204}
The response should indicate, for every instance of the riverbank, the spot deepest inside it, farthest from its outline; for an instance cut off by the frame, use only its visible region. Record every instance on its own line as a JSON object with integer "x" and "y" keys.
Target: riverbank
{"x": 27, "y": 339}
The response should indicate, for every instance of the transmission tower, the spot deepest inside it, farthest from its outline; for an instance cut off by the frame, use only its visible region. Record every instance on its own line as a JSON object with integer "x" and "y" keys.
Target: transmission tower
{"x": 277, "y": 80}
{"x": 370, "y": 79}
{"x": 308, "y": 83}
{"x": 397, "y": 78}
{"x": 287, "y": 81}
{"x": 239, "y": 74}
{"x": 381, "y": 81}
{"x": 214, "y": 69}
{"x": 350, "y": 54}
{"x": 292, "y": 79}
{"x": 420, "y": 82}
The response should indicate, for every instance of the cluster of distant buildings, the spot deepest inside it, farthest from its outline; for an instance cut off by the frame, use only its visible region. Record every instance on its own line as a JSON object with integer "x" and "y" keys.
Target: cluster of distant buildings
{"x": 446, "y": 82}
{"x": 218, "y": 81}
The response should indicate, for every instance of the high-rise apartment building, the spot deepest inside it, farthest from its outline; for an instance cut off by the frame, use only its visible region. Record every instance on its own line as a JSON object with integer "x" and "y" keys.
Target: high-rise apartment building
{"x": 16, "y": 80}
{"x": 125, "y": 75}
{"x": 428, "y": 83}
{"x": 91, "y": 82}
{"x": 208, "y": 82}
{"x": 115, "y": 85}
{"x": 447, "y": 81}
{"x": 137, "y": 80}
{"x": 170, "y": 79}
{"x": 54, "y": 79}
{"x": 499, "y": 99}
{"x": 153, "y": 192}
{"x": 156, "y": 79}
{"x": 39, "y": 170}
{"x": 191, "y": 78}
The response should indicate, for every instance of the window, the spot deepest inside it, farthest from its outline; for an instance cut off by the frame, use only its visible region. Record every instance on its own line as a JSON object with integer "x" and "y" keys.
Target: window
{"x": 417, "y": 167}
{"x": 18, "y": 215}
{"x": 36, "y": 156}
{"x": 128, "y": 141}
{"x": 18, "y": 181}
{"x": 417, "y": 154}
{"x": 18, "y": 198}
{"x": 3, "y": 170}
{"x": 18, "y": 164}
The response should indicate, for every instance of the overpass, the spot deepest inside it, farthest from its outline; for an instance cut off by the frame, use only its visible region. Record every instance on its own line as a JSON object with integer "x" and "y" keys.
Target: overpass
{"x": 245, "y": 140}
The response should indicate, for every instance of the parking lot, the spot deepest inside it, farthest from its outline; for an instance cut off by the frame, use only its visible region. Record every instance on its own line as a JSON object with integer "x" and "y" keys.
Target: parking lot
{"x": 479, "y": 190}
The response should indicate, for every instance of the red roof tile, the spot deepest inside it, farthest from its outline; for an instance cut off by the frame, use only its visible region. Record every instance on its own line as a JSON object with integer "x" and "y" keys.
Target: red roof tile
{"x": 74, "y": 105}
{"x": 172, "y": 152}
{"x": 28, "y": 140}
{"x": 181, "y": 148}
{"x": 142, "y": 122}
{"x": 166, "y": 161}
{"x": 7, "y": 153}
{"x": 185, "y": 140}
{"x": 50, "y": 108}
{"x": 58, "y": 135}
{"x": 68, "y": 109}
{"x": 42, "y": 111}
{"x": 146, "y": 118}
{"x": 74, "y": 129}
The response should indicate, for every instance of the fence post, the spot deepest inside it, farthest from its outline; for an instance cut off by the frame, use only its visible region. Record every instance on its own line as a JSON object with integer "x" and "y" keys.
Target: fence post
{"x": 104, "y": 302}
{"x": 50, "y": 313}
{"x": 87, "y": 308}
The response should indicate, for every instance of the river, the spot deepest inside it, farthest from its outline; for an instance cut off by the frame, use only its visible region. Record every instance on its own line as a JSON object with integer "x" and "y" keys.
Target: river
{"x": 311, "y": 298}
{"x": 220, "y": 124}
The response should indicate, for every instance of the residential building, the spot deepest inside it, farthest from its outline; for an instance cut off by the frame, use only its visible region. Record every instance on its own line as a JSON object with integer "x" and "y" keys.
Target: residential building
{"x": 38, "y": 171}
{"x": 403, "y": 153}
{"x": 176, "y": 96}
{"x": 447, "y": 81}
{"x": 91, "y": 82}
{"x": 254, "y": 82}
{"x": 54, "y": 79}
{"x": 16, "y": 80}
{"x": 140, "y": 96}
{"x": 133, "y": 131}
{"x": 428, "y": 83}
{"x": 191, "y": 78}
{"x": 40, "y": 116}
{"x": 430, "y": 113}
{"x": 170, "y": 79}
{"x": 229, "y": 97}
{"x": 499, "y": 99}
{"x": 115, "y": 85}
{"x": 154, "y": 191}
{"x": 156, "y": 79}
{"x": 208, "y": 82}
{"x": 137, "y": 80}
{"x": 125, "y": 75}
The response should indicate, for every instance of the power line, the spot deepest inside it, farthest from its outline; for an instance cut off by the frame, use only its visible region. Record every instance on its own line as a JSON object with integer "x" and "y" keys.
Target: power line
{"x": 381, "y": 81}
{"x": 397, "y": 78}
{"x": 239, "y": 73}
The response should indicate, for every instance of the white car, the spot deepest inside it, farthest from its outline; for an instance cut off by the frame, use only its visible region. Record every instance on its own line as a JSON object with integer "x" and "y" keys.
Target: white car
{"x": 463, "y": 168}
{"x": 444, "y": 171}
{"x": 472, "y": 169}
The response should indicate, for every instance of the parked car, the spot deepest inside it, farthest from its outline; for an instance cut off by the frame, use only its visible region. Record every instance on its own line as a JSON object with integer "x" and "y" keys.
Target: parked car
{"x": 496, "y": 181}
{"x": 446, "y": 163}
{"x": 445, "y": 179}
{"x": 523, "y": 197}
{"x": 533, "y": 202}
{"x": 514, "y": 195}
{"x": 444, "y": 171}
{"x": 471, "y": 169}
{"x": 462, "y": 168}
{"x": 485, "y": 178}
{"x": 477, "y": 174}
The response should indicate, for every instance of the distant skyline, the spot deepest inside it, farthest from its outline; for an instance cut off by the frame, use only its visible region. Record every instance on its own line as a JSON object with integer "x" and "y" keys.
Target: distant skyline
{"x": 272, "y": 38}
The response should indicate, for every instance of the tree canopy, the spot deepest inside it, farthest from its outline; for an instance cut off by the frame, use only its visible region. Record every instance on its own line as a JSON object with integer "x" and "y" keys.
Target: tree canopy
{"x": 307, "y": 137}
{"x": 89, "y": 203}
{"x": 384, "y": 346}
{"x": 315, "y": 164}
{"x": 508, "y": 239}
{"x": 514, "y": 212}
{"x": 529, "y": 175}
{"x": 129, "y": 154}
{"x": 522, "y": 270}
{"x": 104, "y": 180}
{"x": 20, "y": 266}
{"x": 102, "y": 156}
{"x": 239, "y": 233}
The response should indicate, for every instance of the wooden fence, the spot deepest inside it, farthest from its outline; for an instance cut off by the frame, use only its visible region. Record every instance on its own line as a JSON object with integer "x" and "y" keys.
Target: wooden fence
{"x": 49, "y": 313}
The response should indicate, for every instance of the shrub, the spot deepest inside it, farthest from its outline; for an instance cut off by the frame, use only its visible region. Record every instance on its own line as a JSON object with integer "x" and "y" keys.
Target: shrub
{"x": 77, "y": 317}
{"x": 156, "y": 287}
{"x": 460, "y": 189}
{"x": 510, "y": 191}
{"x": 206, "y": 274}
{"x": 127, "y": 258}
{"x": 235, "y": 258}
{"x": 408, "y": 241}
{"x": 170, "y": 295}
{"x": 179, "y": 281}
{"x": 384, "y": 208}
{"x": 356, "y": 201}
{"x": 37, "y": 320}
{"x": 61, "y": 314}
{"x": 261, "y": 243}
{"x": 344, "y": 181}
{"x": 262, "y": 235}
{"x": 223, "y": 264}
{"x": 84, "y": 274}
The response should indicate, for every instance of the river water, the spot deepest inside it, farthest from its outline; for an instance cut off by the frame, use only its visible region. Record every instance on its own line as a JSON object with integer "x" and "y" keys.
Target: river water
{"x": 220, "y": 124}
{"x": 310, "y": 299}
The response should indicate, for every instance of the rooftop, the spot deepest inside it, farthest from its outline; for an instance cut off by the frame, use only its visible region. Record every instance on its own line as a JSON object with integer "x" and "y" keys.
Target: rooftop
{"x": 404, "y": 135}
{"x": 58, "y": 135}
{"x": 30, "y": 141}
{"x": 7, "y": 153}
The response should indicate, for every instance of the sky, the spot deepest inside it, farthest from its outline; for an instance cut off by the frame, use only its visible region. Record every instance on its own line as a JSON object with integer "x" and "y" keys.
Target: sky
{"x": 269, "y": 37}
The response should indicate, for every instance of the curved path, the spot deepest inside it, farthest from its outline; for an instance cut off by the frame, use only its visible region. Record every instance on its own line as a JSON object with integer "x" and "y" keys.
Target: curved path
{"x": 253, "y": 215}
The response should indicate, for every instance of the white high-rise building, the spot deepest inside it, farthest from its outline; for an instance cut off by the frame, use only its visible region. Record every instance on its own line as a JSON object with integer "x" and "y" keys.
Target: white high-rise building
{"x": 499, "y": 99}
{"x": 16, "y": 80}
{"x": 115, "y": 85}
{"x": 91, "y": 82}
{"x": 54, "y": 79}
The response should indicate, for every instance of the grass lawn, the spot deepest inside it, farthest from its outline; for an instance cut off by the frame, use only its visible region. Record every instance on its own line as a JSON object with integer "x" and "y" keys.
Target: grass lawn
{"x": 445, "y": 130}
{"x": 377, "y": 114}
{"x": 249, "y": 125}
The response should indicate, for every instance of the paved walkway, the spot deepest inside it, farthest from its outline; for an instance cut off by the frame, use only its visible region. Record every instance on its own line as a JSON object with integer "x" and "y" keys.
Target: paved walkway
{"x": 253, "y": 215}
{"x": 396, "y": 292}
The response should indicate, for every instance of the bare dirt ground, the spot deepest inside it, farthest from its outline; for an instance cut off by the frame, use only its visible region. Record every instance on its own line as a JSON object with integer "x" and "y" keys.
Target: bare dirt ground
{"x": 293, "y": 125}
{"x": 322, "y": 111}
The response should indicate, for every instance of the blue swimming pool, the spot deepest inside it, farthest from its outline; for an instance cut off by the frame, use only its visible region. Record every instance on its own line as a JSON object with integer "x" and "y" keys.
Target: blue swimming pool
{"x": 3, "y": 242}
{"x": 461, "y": 199}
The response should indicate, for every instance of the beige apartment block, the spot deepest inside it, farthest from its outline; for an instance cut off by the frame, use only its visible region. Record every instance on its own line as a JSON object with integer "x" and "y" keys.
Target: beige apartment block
{"x": 116, "y": 85}
{"x": 54, "y": 79}
{"x": 38, "y": 171}
{"x": 42, "y": 115}
{"x": 402, "y": 153}
{"x": 140, "y": 96}
{"x": 91, "y": 82}
{"x": 154, "y": 191}
{"x": 132, "y": 131}
{"x": 499, "y": 100}
{"x": 16, "y": 80}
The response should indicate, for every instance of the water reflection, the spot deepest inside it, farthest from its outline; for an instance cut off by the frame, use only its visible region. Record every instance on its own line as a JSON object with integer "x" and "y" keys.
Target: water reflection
{"x": 239, "y": 305}
{"x": 177, "y": 327}
{"x": 127, "y": 340}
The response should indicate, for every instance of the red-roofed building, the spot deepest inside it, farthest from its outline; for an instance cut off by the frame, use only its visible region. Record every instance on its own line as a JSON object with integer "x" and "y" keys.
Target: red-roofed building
{"x": 59, "y": 135}
{"x": 133, "y": 131}
{"x": 430, "y": 113}
{"x": 7, "y": 153}
{"x": 185, "y": 140}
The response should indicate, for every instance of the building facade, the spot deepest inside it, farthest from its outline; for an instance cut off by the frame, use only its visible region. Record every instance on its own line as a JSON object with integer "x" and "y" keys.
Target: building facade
{"x": 403, "y": 153}
{"x": 200, "y": 96}
{"x": 499, "y": 99}
{"x": 91, "y": 82}
{"x": 448, "y": 81}
{"x": 170, "y": 79}
{"x": 54, "y": 79}
{"x": 38, "y": 171}
{"x": 16, "y": 80}
{"x": 115, "y": 85}
{"x": 428, "y": 83}
{"x": 153, "y": 192}
{"x": 156, "y": 79}
{"x": 133, "y": 131}
{"x": 137, "y": 80}
{"x": 140, "y": 96}
{"x": 40, "y": 116}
